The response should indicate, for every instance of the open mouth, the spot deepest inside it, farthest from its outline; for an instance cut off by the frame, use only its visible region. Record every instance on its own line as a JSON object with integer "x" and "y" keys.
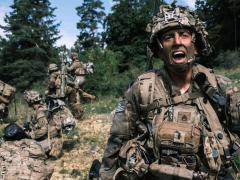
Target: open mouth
{"x": 178, "y": 56}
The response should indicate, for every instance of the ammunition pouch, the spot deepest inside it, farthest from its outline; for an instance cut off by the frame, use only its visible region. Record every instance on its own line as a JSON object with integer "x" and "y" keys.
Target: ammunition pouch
{"x": 133, "y": 160}
{"x": 181, "y": 135}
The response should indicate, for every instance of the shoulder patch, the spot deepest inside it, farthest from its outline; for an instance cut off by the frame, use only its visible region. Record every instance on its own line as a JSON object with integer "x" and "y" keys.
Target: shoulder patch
{"x": 121, "y": 106}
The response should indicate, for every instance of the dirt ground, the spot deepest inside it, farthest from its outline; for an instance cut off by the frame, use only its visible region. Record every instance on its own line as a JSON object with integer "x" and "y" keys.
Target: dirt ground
{"x": 81, "y": 147}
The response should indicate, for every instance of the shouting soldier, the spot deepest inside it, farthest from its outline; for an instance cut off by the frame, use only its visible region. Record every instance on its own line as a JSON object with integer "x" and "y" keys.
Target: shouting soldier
{"x": 175, "y": 123}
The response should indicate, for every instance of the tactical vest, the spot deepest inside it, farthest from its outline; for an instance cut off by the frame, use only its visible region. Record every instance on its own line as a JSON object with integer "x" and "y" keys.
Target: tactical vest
{"x": 186, "y": 128}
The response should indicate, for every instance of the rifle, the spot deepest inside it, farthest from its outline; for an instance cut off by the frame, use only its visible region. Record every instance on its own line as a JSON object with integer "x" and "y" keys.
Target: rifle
{"x": 63, "y": 71}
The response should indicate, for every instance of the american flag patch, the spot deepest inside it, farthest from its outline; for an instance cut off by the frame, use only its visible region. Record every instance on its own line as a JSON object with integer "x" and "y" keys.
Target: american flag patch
{"x": 121, "y": 106}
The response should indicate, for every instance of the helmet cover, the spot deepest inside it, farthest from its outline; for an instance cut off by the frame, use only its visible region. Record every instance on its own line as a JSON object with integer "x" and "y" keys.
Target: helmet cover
{"x": 32, "y": 97}
{"x": 170, "y": 17}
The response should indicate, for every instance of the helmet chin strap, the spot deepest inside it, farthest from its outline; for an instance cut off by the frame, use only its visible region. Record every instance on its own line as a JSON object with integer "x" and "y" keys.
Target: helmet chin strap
{"x": 159, "y": 44}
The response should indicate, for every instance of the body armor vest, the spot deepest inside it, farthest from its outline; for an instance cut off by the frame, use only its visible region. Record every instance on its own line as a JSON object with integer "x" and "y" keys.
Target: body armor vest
{"x": 186, "y": 129}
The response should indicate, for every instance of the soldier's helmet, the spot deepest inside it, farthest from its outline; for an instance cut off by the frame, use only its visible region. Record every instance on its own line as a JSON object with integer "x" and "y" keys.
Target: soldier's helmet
{"x": 52, "y": 67}
{"x": 32, "y": 97}
{"x": 170, "y": 17}
{"x": 74, "y": 56}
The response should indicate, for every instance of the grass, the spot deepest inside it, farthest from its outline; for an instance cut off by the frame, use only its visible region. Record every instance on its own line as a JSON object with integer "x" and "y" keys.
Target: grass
{"x": 101, "y": 106}
{"x": 233, "y": 74}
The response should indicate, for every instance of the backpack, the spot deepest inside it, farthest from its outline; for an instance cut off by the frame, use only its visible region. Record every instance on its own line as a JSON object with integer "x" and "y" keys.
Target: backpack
{"x": 6, "y": 92}
{"x": 14, "y": 132}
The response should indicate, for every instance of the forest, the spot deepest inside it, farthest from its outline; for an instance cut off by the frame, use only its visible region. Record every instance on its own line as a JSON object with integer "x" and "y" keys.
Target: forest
{"x": 119, "y": 51}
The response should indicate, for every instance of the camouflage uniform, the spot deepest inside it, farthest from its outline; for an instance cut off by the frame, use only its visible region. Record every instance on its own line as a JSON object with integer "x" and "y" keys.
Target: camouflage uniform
{"x": 23, "y": 159}
{"x": 54, "y": 84}
{"x": 54, "y": 88}
{"x": 6, "y": 94}
{"x": 159, "y": 132}
{"x": 78, "y": 71}
{"x": 45, "y": 131}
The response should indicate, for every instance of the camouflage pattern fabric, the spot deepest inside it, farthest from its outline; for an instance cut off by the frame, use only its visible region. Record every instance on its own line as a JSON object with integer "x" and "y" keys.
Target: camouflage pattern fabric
{"x": 6, "y": 95}
{"x": 47, "y": 131}
{"x": 164, "y": 129}
{"x": 38, "y": 123}
{"x": 23, "y": 159}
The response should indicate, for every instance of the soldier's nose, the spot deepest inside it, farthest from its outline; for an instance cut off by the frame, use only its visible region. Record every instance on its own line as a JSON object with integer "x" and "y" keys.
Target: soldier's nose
{"x": 177, "y": 38}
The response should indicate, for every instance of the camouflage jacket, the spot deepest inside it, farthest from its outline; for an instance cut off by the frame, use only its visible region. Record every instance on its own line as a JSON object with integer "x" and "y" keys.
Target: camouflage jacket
{"x": 39, "y": 123}
{"x": 76, "y": 68}
{"x": 54, "y": 81}
{"x": 145, "y": 99}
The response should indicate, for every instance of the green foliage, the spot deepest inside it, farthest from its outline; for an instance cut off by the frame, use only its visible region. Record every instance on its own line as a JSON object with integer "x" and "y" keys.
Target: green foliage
{"x": 31, "y": 34}
{"x": 125, "y": 33}
{"x": 91, "y": 14}
{"x": 223, "y": 22}
{"x": 104, "y": 104}
{"x": 228, "y": 59}
{"x": 107, "y": 80}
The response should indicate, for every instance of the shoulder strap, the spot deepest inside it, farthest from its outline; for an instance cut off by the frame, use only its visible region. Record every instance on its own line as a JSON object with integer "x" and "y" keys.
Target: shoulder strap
{"x": 152, "y": 91}
{"x": 146, "y": 87}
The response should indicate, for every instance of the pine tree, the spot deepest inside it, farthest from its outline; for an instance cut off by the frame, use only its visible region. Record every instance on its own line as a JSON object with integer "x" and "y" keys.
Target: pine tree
{"x": 125, "y": 32}
{"x": 31, "y": 34}
{"x": 91, "y": 14}
{"x": 222, "y": 19}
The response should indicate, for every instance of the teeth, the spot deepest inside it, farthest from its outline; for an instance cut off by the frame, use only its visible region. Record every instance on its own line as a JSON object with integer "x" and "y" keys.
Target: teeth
{"x": 178, "y": 53}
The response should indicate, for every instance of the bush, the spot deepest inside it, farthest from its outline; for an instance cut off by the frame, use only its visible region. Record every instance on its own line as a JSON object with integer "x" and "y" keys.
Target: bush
{"x": 107, "y": 80}
{"x": 228, "y": 59}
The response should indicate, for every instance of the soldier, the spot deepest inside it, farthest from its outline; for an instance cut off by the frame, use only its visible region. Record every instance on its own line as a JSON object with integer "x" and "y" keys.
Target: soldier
{"x": 174, "y": 123}
{"x": 54, "y": 83}
{"x": 21, "y": 158}
{"x": 78, "y": 71}
{"x": 6, "y": 95}
{"x": 46, "y": 131}
{"x": 55, "y": 87}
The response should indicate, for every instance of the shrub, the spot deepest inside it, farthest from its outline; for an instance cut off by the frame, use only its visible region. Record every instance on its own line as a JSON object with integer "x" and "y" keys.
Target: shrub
{"x": 228, "y": 59}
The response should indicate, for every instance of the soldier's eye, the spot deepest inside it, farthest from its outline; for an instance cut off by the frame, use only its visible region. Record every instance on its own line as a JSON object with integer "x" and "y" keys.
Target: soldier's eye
{"x": 167, "y": 37}
{"x": 185, "y": 34}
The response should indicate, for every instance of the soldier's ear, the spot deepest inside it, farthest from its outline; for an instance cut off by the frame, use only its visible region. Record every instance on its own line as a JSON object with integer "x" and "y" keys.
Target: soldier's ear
{"x": 195, "y": 50}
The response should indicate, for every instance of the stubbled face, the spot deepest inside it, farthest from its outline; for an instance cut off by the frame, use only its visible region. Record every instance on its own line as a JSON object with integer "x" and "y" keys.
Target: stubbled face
{"x": 178, "y": 46}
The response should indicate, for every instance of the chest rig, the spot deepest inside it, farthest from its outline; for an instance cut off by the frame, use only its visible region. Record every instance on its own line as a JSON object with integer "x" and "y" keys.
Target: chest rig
{"x": 185, "y": 129}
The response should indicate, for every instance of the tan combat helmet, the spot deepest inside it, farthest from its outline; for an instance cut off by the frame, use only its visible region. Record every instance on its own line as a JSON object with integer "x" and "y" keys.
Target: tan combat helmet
{"x": 170, "y": 17}
{"x": 52, "y": 67}
{"x": 74, "y": 56}
{"x": 32, "y": 97}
